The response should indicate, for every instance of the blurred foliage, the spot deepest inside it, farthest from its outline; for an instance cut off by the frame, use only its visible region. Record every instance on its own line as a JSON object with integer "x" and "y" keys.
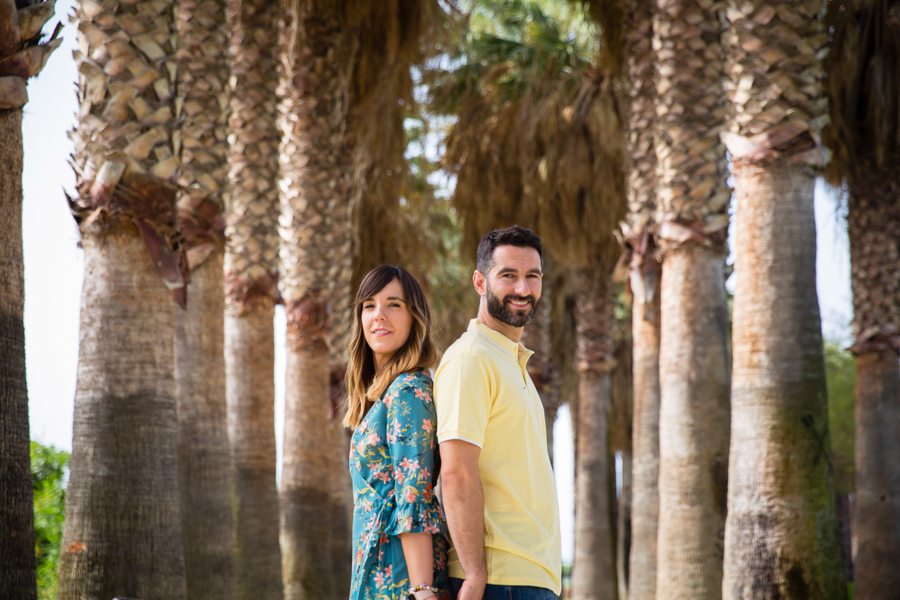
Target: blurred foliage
{"x": 840, "y": 374}
{"x": 49, "y": 475}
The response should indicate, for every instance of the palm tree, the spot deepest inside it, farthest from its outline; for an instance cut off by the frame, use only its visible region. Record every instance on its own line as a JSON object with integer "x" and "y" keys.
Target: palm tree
{"x": 621, "y": 418}
{"x": 643, "y": 279}
{"x": 341, "y": 66}
{"x": 21, "y": 57}
{"x": 781, "y": 536}
{"x": 863, "y": 91}
{"x": 123, "y": 521}
{"x": 692, "y": 220}
{"x": 203, "y": 450}
{"x": 251, "y": 276}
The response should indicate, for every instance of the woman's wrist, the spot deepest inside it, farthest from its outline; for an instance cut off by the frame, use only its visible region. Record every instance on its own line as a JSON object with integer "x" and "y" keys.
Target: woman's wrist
{"x": 421, "y": 592}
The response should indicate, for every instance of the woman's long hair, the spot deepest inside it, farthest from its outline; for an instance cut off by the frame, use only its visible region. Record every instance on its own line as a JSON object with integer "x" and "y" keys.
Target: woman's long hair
{"x": 364, "y": 386}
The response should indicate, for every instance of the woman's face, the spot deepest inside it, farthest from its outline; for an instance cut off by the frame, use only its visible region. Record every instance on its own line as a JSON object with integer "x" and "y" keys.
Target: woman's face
{"x": 386, "y": 322}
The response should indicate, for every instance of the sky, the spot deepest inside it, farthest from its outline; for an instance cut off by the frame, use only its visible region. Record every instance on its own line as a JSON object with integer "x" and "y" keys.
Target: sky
{"x": 54, "y": 269}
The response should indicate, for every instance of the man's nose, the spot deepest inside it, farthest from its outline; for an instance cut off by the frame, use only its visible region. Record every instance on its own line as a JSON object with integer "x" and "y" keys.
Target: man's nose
{"x": 522, "y": 287}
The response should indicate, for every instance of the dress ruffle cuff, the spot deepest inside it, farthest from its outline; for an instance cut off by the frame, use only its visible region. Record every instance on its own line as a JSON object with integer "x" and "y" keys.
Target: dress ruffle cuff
{"x": 416, "y": 517}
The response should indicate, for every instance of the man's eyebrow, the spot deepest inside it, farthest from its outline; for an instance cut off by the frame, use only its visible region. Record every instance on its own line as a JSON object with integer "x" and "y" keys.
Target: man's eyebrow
{"x": 511, "y": 270}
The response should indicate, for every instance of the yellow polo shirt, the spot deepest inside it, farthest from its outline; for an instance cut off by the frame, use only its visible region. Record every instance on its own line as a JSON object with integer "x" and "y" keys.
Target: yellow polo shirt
{"x": 483, "y": 395}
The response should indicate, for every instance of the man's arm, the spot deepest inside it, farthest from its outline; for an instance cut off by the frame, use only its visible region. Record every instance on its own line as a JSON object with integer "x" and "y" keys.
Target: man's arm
{"x": 464, "y": 504}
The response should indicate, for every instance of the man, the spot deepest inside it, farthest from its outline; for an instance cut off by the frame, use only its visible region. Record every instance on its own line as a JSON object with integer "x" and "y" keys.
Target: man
{"x": 497, "y": 483}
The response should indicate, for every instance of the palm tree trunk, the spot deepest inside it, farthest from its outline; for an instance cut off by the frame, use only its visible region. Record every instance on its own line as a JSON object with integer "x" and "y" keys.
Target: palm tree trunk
{"x": 17, "y": 564}
{"x": 781, "y": 537}
{"x": 17, "y": 560}
{"x": 877, "y": 523}
{"x": 645, "y": 434}
{"x": 694, "y": 416}
{"x": 622, "y": 392}
{"x": 594, "y": 568}
{"x": 873, "y": 220}
{"x": 250, "y": 371}
{"x": 693, "y": 354}
{"x": 251, "y": 276}
{"x": 123, "y": 521}
{"x": 315, "y": 197}
{"x": 203, "y": 450}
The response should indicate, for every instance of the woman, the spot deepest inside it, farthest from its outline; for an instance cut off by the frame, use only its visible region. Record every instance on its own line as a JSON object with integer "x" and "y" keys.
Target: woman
{"x": 398, "y": 549}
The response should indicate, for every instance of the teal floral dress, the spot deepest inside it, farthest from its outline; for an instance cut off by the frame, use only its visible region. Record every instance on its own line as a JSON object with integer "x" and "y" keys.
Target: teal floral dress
{"x": 392, "y": 465}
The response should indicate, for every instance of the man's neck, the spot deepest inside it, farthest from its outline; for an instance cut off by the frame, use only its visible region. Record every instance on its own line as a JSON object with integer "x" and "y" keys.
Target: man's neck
{"x": 485, "y": 318}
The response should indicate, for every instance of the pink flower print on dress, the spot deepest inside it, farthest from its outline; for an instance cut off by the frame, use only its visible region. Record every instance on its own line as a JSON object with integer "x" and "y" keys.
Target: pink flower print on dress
{"x": 407, "y": 524}
{"x": 410, "y": 494}
{"x": 394, "y": 433}
{"x": 423, "y": 395}
{"x": 410, "y": 465}
{"x": 427, "y": 425}
{"x": 373, "y": 438}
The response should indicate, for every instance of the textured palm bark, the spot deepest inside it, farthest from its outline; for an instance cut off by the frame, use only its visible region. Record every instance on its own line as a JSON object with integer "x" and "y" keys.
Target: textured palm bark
{"x": 694, "y": 415}
{"x": 19, "y": 35}
{"x": 877, "y": 522}
{"x": 781, "y": 537}
{"x": 645, "y": 461}
{"x": 594, "y": 566}
{"x": 250, "y": 373}
{"x": 873, "y": 220}
{"x": 203, "y": 452}
{"x": 315, "y": 218}
{"x": 692, "y": 213}
{"x": 122, "y": 533}
{"x": 17, "y": 566}
{"x": 251, "y": 276}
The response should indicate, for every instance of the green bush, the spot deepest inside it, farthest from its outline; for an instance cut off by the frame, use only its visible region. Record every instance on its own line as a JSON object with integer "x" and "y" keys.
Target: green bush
{"x": 49, "y": 471}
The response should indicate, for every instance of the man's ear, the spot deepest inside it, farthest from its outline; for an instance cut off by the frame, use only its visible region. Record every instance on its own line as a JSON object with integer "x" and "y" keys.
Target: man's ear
{"x": 480, "y": 283}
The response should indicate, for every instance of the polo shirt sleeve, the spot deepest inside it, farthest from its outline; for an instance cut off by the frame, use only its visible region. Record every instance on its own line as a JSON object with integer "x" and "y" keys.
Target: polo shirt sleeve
{"x": 463, "y": 392}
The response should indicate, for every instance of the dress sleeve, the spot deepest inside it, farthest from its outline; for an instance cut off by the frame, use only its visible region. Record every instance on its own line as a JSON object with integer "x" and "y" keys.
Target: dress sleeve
{"x": 411, "y": 441}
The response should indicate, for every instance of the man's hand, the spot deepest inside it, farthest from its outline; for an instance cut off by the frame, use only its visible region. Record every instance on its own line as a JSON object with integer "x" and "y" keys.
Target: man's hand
{"x": 471, "y": 590}
{"x": 464, "y": 504}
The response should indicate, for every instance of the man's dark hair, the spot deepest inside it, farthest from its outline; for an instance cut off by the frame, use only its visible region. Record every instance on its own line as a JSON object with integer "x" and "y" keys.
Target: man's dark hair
{"x": 511, "y": 236}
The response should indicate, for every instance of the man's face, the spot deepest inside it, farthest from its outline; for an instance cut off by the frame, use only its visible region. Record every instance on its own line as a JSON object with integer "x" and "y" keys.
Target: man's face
{"x": 513, "y": 287}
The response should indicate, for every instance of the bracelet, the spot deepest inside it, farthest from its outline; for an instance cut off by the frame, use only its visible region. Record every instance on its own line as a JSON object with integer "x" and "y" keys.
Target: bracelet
{"x": 413, "y": 592}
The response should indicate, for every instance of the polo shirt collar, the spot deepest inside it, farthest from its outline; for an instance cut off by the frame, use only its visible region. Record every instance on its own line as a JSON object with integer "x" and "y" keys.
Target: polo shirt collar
{"x": 513, "y": 349}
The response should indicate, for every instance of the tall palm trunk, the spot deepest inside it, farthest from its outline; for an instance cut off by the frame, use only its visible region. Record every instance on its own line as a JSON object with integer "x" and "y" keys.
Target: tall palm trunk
{"x": 781, "y": 536}
{"x": 645, "y": 435}
{"x": 693, "y": 353}
{"x": 17, "y": 563}
{"x": 123, "y": 523}
{"x": 251, "y": 275}
{"x": 863, "y": 93}
{"x": 315, "y": 192}
{"x": 594, "y": 567}
{"x": 644, "y": 280}
{"x": 874, "y": 230}
{"x": 17, "y": 566}
{"x": 204, "y": 453}
{"x": 123, "y": 520}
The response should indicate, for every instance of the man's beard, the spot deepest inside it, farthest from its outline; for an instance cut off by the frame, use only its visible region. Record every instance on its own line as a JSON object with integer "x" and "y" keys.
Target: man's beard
{"x": 500, "y": 310}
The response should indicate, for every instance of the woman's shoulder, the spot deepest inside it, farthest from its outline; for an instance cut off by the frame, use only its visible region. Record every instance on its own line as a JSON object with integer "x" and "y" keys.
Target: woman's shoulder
{"x": 415, "y": 380}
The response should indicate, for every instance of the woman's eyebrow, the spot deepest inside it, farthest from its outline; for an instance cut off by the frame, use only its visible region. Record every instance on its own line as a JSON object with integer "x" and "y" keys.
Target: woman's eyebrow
{"x": 395, "y": 298}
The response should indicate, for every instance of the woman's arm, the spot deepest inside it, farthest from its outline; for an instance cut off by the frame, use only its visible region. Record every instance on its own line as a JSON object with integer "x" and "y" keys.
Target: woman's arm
{"x": 417, "y": 550}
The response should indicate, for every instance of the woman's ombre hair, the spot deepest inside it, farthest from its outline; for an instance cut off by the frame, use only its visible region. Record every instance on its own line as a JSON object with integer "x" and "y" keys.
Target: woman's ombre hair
{"x": 365, "y": 386}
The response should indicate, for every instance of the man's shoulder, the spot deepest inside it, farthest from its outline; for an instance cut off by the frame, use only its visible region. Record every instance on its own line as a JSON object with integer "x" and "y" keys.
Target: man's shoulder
{"x": 465, "y": 353}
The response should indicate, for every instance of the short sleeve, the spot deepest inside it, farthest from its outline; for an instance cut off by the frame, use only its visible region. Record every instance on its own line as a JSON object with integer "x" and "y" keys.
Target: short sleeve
{"x": 463, "y": 399}
{"x": 411, "y": 442}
